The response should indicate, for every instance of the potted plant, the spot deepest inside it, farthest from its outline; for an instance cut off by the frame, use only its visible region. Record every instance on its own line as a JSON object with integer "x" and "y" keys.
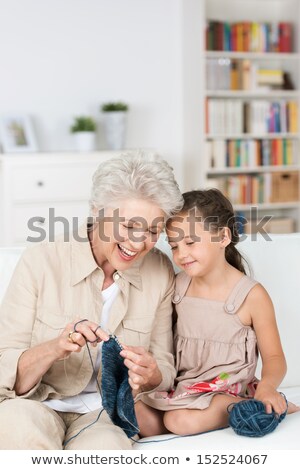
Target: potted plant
{"x": 84, "y": 131}
{"x": 115, "y": 123}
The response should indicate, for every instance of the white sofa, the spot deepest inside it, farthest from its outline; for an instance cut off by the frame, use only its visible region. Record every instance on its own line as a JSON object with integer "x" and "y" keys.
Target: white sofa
{"x": 276, "y": 264}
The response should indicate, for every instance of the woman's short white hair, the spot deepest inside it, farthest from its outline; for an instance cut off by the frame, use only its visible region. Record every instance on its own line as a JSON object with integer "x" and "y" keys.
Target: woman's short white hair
{"x": 136, "y": 175}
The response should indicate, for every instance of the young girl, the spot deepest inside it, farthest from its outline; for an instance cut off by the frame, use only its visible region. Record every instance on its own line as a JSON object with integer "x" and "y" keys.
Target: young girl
{"x": 223, "y": 318}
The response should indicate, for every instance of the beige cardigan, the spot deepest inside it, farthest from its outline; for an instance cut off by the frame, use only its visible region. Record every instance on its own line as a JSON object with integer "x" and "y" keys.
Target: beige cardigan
{"x": 51, "y": 287}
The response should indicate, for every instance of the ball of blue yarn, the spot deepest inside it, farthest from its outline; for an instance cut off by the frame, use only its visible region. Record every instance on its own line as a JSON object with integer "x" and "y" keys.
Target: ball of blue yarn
{"x": 249, "y": 418}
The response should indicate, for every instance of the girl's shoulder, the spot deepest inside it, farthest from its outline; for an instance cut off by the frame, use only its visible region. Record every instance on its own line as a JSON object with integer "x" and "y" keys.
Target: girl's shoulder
{"x": 239, "y": 293}
{"x": 258, "y": 292}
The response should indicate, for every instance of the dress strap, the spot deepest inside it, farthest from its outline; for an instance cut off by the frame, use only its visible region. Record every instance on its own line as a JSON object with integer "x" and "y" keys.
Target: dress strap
{"x": 238, "y": 294}
{"x": 182, "y": 283}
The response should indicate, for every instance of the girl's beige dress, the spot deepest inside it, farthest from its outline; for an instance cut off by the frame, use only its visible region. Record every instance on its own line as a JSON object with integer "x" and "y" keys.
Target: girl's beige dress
{"x": 215, "y": 351}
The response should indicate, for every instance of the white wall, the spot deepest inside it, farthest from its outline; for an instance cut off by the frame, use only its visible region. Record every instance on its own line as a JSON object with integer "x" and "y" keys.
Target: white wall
{"x": 61, "y": 58}
{"x": 193, "y": 99}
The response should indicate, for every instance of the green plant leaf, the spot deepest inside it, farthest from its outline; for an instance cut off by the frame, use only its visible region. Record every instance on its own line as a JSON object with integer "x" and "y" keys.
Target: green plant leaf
{"x": 114, "y": 106}
{"x": 83, "y": 124}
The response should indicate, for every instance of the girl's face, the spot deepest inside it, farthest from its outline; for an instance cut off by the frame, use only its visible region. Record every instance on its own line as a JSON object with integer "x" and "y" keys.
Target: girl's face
{"x": 127, "y": 233}
{"x": 196, "y": 250}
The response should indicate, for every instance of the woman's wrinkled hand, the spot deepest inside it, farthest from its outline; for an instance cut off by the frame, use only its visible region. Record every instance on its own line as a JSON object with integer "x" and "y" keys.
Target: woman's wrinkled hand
{"x": 143, "y": 371}
{"x": 75, "y": 335}
{"x": 272, "y": 399}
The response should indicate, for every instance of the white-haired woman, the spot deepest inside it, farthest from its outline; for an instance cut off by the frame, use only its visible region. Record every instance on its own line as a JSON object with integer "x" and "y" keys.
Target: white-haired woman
{"x": 108, "y": 274}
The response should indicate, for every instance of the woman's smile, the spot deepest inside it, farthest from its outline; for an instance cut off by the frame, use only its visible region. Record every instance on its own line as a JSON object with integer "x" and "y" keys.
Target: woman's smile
{"x": 126, "y": 254}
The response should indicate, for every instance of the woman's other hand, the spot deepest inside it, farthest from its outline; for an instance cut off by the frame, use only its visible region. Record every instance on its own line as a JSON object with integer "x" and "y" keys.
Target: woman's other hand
{"x": 143, "y": 371}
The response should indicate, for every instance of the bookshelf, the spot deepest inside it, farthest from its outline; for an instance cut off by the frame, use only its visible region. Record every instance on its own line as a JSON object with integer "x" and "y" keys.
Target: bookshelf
{"x": 251, "y": 99}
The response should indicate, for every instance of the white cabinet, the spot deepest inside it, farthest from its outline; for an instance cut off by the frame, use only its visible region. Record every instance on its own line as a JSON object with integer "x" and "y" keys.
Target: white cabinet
{"x": 251, "y": 133}
{"x": 43, "y": 195}
{"x": 51, "y": 181}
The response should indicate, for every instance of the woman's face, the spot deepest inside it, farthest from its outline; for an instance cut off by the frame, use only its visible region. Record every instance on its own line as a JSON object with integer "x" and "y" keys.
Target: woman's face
{"x": 127, "y": 233}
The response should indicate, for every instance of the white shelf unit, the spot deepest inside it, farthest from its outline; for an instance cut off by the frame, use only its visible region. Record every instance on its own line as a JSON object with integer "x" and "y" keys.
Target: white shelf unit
{"x": 253, "y": 55}
{"x": 282, "y": 94}
{"x": 274, "y": 135}
{"x": 261, "y": 11}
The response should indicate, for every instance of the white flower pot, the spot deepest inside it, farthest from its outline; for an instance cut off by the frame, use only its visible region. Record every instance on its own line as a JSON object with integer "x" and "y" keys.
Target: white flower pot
{"x": 115, "y": 128}
{"x": 85, "y": 141}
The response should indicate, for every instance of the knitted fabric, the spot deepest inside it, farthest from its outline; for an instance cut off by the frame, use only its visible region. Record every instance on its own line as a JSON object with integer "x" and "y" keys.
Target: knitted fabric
{"x": 117, "y": 397}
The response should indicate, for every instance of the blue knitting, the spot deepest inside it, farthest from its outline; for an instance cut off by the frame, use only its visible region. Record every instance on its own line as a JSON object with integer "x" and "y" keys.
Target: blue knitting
{"x": 117, "y": 397}
{"x": 249, "y": 418}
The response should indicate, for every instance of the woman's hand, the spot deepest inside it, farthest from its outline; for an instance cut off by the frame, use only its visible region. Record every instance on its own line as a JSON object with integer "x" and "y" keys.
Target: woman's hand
{"x": 272, "y": 399}
{"x": 36, "y": 361}
{"x": 143, "y": 371}
{"x": 75, "y": 335}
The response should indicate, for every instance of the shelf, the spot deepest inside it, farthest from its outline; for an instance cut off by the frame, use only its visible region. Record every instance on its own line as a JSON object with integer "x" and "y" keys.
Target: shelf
{"x": 274, "y": 135}
{"x": 253, "y": 55}
{"x": 228, "y": 112}
{"x": 281, "y": 94}
{"x": 247, "y": 170}
{"x": 267, "y": 206}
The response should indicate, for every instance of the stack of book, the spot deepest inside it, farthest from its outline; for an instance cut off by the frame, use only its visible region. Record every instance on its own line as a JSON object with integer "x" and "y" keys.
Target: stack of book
{"x": 247, "y": 189}
{"x": 250, "y": 153}
{"x": 270, "y": 78}
{"x": 248, "y": 36}
{"x": 238, "y": 74}
{"x": 261, "y": 188}
{"x": 229, "y": 117}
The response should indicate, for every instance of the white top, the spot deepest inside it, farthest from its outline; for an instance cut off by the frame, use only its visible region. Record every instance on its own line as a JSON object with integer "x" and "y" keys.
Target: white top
{"x": 89, "y": 399}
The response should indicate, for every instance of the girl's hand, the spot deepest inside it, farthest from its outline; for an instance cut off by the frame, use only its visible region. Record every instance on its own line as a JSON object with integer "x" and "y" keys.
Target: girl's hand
{"x": 76, "y": 334}
{"x": 143, "y": 371}
{"x": 272, "y": 399}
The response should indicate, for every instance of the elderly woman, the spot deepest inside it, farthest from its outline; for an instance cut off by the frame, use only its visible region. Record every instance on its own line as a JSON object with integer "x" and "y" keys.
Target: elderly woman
{"x": 107, "y": 274}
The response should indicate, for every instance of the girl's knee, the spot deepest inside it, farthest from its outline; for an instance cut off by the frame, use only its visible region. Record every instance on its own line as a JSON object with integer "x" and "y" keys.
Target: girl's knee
{"x": 176, "y": 421}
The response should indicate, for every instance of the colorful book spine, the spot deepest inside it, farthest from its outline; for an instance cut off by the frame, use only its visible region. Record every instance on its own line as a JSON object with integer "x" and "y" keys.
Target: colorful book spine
{"x": 285, "y": 37}
{"x": 228, "y": 117}
{"x": 249, "y": 36}
{"x": 248, "y": 189}
{"x": 250, "y": 153}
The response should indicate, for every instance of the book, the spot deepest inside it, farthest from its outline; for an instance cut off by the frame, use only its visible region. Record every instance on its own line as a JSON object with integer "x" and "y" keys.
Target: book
{"x": 246, "y": 75}
{"x": 240, "y": 37}
{"x": 285, "y": 37}
{"x": 219, "y": 153}
{"x": 271, "y": 77}
{"x": 246, "y": 36}
{"x": 234, "y": 75}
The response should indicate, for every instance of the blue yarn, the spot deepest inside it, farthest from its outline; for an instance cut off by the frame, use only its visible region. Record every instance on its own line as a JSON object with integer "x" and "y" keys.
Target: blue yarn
{"x": 249, "y": 418}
